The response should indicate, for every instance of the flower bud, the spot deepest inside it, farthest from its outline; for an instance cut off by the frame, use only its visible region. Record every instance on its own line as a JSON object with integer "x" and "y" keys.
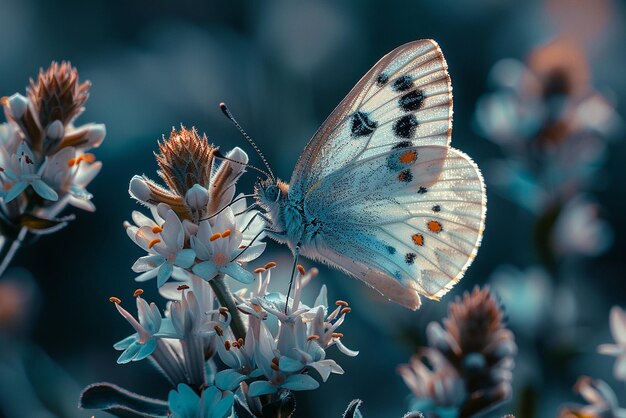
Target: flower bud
{"x": 197, "y": 198}
{"x": 55, "y": 130}
{"x": 139, "y": 190}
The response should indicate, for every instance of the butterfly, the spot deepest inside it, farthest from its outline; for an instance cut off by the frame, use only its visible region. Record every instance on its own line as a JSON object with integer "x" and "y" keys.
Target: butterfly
{"x": 378, "y": 192}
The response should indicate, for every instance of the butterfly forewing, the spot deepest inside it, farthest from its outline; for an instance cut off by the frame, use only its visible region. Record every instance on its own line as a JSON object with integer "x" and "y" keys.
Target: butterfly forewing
{"x": 405, "y": 98}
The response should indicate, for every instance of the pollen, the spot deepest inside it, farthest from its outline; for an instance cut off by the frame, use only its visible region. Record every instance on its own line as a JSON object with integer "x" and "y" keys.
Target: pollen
{"x": 218, "y": 330}
{"x": 313, "y": 337}
{"x": 418, "y": 239}
{"x": 260, "y": 270}
{"x": 215, "y": 236}
{"x": 408, "y": 157}
{"x": 153, "y": 242}
{"x": 337, "y": 335}
{"x": 240, "y": 342}
{"x": 115, "y": 300}
{"x": 88, "y": 157}
{"x": 138, "y": 292}
{"x": 301, "y": 269}
{"x": 341, "y": 303}
{"x": 157, "y": 229}
{"x": 227, "y": 345}
{"x": 345, "y": 311}
{"x": 226, "y": 233}
{"x": 71, "y": 162}
{"x": 434, "y": 226}
{"x": 270, "y": 265}
{"x": 182, "y": 287}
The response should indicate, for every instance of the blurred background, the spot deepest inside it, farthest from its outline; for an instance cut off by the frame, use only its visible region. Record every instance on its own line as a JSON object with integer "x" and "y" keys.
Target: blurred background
{"x": 539, "y": 88}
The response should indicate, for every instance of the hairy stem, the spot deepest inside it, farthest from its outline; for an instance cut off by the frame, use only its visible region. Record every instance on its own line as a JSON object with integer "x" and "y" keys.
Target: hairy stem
{"x": 222, "y": 292}
{"x": 11, "y": 244}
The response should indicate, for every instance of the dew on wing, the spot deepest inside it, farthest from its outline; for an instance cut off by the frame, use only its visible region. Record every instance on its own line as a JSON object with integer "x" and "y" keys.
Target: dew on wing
{"x": 362, "y": 125}
{"x": 411, "y": 101}
{"x": 405, "y": 176}
{"x": 405, "y": 126}
{"x": 403, "y": 83}
{"x": 410, "y": 258}
{"x": 434, "y": 226}
{"x": 418, "y": 239}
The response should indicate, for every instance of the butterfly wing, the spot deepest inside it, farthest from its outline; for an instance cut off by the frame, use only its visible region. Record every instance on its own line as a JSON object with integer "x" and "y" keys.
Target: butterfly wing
{"x": 405, "y": 97}
{"x": 407, "y": 221}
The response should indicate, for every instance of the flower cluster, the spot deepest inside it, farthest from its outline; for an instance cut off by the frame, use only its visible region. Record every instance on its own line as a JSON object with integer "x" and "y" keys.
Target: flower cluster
{"x": 45, "y": 162}
{"x": 467, "y": 367}
{"x": 221, "y": 351}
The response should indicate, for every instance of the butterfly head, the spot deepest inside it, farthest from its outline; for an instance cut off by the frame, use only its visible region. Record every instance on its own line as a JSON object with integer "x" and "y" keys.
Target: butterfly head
{"x": 270, "y": 192}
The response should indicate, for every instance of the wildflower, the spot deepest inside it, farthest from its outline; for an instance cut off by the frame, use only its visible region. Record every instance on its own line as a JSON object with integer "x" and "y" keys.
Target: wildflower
{"x": 164, "y": 244}
{"x": 477, "y": 347}
{"x": 618, "y": 331}
{"x": 601, "y": 399}
{"x": 212, "y": 403}
{"x": 220, "y": 249}
{"x": 142, "y": 343}
{"x": 21, "y": 172}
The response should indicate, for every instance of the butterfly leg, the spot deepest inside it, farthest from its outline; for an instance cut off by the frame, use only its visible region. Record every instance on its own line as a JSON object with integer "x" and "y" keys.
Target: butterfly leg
{"x": 296, "y": 255}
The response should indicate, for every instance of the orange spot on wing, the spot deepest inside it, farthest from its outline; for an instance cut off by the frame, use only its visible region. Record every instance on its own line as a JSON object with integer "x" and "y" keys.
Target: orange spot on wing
{"x": 434, "y": 226}
{"x": 408, "y": 157}
{"x": 418, "y": 239}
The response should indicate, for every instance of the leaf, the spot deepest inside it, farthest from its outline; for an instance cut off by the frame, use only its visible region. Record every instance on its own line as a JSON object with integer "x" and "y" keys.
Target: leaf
{"x": 353, "y": 409}
{"x": 121, "y": 402}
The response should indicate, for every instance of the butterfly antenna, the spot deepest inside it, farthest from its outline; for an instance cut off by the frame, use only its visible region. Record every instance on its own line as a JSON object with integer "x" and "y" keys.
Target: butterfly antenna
{"x": 230, "y": 117}
{"x": 222, "y": 157}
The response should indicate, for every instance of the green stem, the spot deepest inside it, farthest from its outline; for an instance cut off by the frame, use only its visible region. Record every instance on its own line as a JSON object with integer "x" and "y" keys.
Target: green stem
{"x": 11, "y": 244}
{"x": 222, "y": 292}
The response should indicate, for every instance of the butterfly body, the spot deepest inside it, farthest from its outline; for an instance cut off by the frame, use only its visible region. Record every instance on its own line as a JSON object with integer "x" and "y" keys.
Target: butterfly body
{"x": 378, "y": 191}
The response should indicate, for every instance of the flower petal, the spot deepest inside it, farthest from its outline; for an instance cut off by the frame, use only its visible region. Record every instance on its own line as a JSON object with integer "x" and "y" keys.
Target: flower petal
{"x": 165, "y": 272}
{"x": 185, "y": 258}
{"x": 300, "y": 382}
{"x": 261, "y": 387}
{"x": 44, "y": 190}
{"x": 207, "y": 270}
{"x": 224, "y": 407}
{"x": 238, "y": 273}
{"x": 147, "y": 262}
{"x": 15, "y": 191}
{"x": 229, "y": 379}
{"x": 618, "y": 325}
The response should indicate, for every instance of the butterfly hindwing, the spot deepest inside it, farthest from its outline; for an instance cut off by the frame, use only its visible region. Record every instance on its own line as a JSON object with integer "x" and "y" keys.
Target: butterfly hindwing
{"x": 417, "y": 223}
{"x": 405, "y": 98}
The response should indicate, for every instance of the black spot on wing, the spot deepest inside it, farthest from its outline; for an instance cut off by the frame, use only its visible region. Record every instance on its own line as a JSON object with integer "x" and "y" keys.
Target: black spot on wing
{"x": 382, "y": 79}
{"x": 422, "y": 190}
{"x": 405, "y": 176}
{"x": 403, "y": 83}
{"x": 362, "y": 125}
{"x": 405, "y": 126}
{"x": 411, "y": 101}
{"x": 402, "y": 144}
{"x": 410, "y": 258}
{"x": 436, "y": 208}
{"x": 391, "y": 249}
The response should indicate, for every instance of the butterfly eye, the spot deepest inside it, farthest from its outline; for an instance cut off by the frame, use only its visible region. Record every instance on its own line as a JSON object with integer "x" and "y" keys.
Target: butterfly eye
{"x": 272, "y": 193}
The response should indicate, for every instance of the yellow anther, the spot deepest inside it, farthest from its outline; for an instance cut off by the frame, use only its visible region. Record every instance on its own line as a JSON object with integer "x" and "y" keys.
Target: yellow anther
{"x": 115, "y": 300}
{"x": 270, "y": 265}
{"x": 301, "y": 269}
{"x": 153, "y": 242}
{"x": 138, "y": 292}
{"x": 226, "y": 233}
{"x": 337, "y": 335}
{"x": 182, "y": 287}
{"x": 313, "y": 337}
{"x": 341, "y": 303}
{"x": 345, "y": 310}
{"x": 157, "y": 229}
{"x": 260, "y": 270}
{"x": 215, "y": 236}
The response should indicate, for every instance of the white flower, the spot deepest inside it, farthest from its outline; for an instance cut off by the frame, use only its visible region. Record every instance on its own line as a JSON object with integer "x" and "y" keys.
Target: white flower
{"x": 21, "y": 171}
{"x": 220, "y": 249}
{"x": 212, "y": 403}
{"x": 618, "y": 331}
{"x": 602, "y": 401}
{"x": 141, "y": 344}
{"x": 69, "y": 173}
{"x": 164, "y": 244}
